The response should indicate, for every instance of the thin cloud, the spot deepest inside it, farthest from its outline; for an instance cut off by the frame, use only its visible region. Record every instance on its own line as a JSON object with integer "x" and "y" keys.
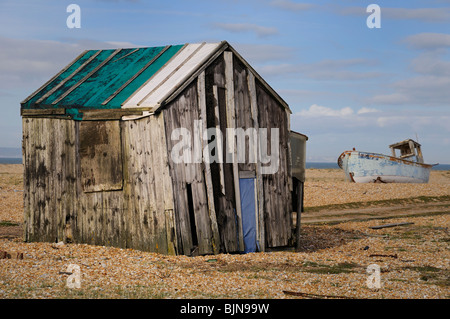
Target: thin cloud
{"x": 423, "y": 14}
{"x": 325, "y": 69}
{"x": 323, "y": 111}
{"x": 428, "y": 41}
{"x": 264, "y": 52}
{"x": 365, "y": 110}
{"x": 291, "y": 5}
{"x": 261, "y": 31}
{"x": 426, "y": 90}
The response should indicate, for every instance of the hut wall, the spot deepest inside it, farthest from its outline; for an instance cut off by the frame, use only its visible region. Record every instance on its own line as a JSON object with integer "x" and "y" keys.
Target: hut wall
{"x": 148, "y": 186}
{"x": 71, "y": 195}
{"x": 222, "y": 173}
{"x": 192, "y": 209}
{"x": 276, "y": 187}
{"x": 50, "y": 175}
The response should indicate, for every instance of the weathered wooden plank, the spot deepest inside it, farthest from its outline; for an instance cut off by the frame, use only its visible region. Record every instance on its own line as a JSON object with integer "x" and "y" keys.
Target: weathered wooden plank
{"x": 157, "y": 181}
{"x": 170, "y": 122}
{"x": 223, "y": 195}
{"x": 231, "y": 144}
{"x": 219, "y": 145}
{"x": 100, "y": 155}
{"x": 207, "y": 169}
{"x": 26, "y": 150}
{"x": 277, "y": 196}
{"x": 166, "y": 192}
{"x": 259, "y": 183}
{"x": 244, "y": 119}
{"x": 34, "y": 112}
{"x": 194, "y": 221}
{"x": 126, "y": 169}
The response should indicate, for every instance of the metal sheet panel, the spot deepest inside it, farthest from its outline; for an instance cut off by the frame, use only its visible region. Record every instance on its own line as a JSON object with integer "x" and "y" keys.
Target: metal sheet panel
{"x": 70, "y": 69}
{"x": 144, "y": 76}
{"x": 103, "y": 55}
{"x": 97, "y": 76}
{"x": 298, "y": 155}
{"x": 172, "y": 75}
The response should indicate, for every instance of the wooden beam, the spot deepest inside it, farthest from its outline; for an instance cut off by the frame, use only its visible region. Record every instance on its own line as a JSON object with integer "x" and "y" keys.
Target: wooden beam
{"x": 34, "y": 112}
{"x": 231, "y": 144}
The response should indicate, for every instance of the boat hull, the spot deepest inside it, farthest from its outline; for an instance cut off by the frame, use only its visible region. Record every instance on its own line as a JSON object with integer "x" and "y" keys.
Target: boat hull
{"x": 363, "y": 167}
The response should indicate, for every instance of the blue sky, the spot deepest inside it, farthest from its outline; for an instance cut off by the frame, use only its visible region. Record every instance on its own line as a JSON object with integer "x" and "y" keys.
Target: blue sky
{"x": 347, "y": 85}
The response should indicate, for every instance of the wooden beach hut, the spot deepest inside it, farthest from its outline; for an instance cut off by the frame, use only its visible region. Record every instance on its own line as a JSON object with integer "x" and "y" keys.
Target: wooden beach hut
{"x": 102, "y": 141}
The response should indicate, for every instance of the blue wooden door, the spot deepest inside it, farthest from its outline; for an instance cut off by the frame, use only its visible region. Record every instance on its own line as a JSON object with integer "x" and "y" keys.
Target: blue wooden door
{"x": 248, "y": 211}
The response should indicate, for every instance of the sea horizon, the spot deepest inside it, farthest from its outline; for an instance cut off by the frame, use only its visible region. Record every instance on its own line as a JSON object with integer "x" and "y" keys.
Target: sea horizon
{"x": 315, "y": 165}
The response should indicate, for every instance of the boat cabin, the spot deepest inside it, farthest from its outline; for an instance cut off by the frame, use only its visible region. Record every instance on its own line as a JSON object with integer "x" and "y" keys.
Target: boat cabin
{"x": 409, "y": 150}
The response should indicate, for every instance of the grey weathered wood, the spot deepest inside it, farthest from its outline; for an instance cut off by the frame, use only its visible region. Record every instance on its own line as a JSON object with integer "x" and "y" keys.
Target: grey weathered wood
{"x": 207, "y": 169}
{"x": 231, "y": 144}
{"x": 42, "y": 112}
{"x": 219, "y": 145}
{"x": 221, "y": 174}
{"x": 277, "y": 196}
{"x": 181, "y": 113}
{"x": 259, "y": 181}
{"x": 100, "y": 156}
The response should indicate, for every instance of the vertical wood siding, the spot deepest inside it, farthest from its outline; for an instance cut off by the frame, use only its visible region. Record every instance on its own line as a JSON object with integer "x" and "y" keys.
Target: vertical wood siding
{"x": 141, "y": 215}
{"x": 181, "y": 113}
{"x": 277, "y": 193}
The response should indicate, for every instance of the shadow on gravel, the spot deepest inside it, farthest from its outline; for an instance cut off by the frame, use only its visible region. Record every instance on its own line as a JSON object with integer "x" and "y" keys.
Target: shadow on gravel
{"x": 315, "y": 238}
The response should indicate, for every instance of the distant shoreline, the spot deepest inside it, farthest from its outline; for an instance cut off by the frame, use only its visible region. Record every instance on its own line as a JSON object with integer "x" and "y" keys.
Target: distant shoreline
{"x": 315, "y": 165}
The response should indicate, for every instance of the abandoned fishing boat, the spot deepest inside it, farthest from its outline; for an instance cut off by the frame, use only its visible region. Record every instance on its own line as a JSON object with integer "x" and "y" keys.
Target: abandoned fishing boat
{"x": 407, "y": 167}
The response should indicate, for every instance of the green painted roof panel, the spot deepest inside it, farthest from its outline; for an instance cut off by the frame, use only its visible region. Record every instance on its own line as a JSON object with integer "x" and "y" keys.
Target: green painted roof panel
{"x": 70, "y": 69}
{"x": 102, "y": 78}
{"x": 132, "y": 87}
{"x": 77, "y": 77}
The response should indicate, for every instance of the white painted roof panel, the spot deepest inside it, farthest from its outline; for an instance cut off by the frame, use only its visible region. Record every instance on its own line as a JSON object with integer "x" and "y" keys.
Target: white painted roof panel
{"x": 173, "y": 74}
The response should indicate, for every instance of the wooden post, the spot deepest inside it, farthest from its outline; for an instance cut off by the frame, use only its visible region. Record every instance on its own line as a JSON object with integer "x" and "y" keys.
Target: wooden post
{"x": 231, "y": 144}
{"x": 299, "y": 208}
{"x": 259, "y": 183}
